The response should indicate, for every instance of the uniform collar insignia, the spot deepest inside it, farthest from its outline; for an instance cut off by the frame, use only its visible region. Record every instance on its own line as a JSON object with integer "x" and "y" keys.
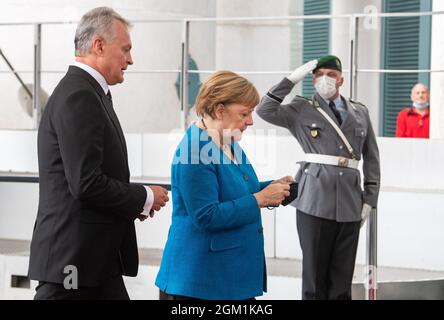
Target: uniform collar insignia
{"x": 315, "y": 103}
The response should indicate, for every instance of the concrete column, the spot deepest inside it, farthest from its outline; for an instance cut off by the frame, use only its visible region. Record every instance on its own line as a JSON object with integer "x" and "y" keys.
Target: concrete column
{"x": 368, "y": 50}
{"x": 437, "y": 79}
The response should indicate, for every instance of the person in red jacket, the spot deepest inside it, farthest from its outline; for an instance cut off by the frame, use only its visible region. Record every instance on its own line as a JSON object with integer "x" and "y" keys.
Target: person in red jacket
{"x": 414, "y": 121}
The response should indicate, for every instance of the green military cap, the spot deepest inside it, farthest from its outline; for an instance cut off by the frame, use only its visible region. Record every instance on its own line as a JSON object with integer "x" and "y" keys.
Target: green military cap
{"x": 329, "y": 62}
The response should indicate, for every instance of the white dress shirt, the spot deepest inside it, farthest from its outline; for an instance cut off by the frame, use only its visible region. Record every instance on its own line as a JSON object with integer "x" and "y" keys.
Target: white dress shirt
{"x": 95, "y": 74}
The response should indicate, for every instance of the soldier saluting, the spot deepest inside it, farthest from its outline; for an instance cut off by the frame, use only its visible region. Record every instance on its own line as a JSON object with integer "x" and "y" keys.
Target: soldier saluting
{"x": 335, "y": 134}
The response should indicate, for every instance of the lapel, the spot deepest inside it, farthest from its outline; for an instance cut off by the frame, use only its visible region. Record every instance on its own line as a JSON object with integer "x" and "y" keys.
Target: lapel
{"x": 243, "y": 164}
{"x": 112, "y": 115}
{"x": 243, "y": 168}
{"x": 106, "y": 104}
{"x": 238, "y": 155}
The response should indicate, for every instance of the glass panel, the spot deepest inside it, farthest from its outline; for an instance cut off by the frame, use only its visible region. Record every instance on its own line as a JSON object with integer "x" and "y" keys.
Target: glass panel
{"x": 20, "y": 55}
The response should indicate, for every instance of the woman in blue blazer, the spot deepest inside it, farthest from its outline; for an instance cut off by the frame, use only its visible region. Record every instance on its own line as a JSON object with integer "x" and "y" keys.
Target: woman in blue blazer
{"x": 215, "y": 246}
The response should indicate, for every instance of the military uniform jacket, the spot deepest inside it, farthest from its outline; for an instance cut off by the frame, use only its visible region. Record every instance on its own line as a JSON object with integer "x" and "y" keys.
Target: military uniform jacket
{"x": 327, "y": 191}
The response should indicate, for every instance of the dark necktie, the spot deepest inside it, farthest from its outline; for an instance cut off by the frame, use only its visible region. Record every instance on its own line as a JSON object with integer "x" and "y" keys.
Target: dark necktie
{"x": 110, "y": 98}
{"x": 335, "y": 111}
{"x": 114, "y": 119}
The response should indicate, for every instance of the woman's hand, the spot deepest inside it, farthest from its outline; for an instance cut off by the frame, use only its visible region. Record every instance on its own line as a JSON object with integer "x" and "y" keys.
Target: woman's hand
{"x": 285, "y": 180}
{"x": 273, "y": 194}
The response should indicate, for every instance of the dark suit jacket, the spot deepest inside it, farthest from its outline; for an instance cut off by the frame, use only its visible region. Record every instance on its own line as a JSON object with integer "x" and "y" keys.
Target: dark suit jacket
{"x": 87, "y": 206}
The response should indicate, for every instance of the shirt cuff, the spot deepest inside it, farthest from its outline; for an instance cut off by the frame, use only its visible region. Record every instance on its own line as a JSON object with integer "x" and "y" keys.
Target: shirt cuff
{"x": 148, "y": 202}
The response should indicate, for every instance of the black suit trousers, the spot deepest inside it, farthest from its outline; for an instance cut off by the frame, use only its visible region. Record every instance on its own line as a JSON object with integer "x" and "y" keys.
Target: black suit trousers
{"x": 328, "y": 257}
{"x": 112, "y": 289}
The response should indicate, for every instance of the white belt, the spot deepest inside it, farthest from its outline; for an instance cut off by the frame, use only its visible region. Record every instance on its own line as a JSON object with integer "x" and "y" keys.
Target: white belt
{"x": 331, "y": 160}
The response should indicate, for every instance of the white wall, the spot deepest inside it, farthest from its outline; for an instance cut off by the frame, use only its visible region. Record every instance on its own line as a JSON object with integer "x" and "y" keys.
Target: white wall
{"x": 254, "y": 45}
{"x": 410, "y": 209}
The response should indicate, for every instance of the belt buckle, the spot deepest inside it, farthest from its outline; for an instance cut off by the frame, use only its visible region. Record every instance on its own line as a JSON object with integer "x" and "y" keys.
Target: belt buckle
{"x": 343, "y": 162}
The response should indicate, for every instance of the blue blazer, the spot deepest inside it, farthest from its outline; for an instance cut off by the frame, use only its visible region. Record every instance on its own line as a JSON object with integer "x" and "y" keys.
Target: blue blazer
{"x": 215, "y": 245}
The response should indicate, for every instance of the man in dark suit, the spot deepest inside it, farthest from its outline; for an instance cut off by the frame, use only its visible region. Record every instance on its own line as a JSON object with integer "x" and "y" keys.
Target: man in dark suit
{"x": 84, "y": 237}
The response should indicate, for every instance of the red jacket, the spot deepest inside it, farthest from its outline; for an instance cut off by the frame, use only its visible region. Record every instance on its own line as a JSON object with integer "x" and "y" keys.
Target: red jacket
{"x": 411, "y": 124}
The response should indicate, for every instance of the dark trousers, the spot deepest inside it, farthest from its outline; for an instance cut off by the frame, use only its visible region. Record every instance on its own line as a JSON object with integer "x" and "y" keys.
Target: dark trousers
{"x": 112, "y": 289}
{"x": 166, "y": 296}
{"x": 328, "y": 257}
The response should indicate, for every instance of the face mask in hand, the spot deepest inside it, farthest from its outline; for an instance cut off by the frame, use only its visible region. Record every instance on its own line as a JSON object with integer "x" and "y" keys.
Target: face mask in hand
{"x": 325, "y": 86}
{"x": 420, "y": 106}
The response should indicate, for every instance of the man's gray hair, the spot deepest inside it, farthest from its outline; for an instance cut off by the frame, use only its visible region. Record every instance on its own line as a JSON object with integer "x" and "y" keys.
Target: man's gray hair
{"x": 97, "y": 22}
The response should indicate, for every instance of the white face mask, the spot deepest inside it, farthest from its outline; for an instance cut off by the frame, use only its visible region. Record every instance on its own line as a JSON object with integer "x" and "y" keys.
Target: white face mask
{"x": 421, "y": 106}
{"x": 325, "y": 86}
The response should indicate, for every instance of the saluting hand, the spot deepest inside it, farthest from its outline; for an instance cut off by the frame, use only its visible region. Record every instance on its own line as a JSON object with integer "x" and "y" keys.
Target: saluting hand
{"x": 299, "y": 74}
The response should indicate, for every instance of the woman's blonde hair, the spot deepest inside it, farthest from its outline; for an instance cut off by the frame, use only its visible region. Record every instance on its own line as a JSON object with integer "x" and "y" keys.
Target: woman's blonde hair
{"x": 224, "y": 87}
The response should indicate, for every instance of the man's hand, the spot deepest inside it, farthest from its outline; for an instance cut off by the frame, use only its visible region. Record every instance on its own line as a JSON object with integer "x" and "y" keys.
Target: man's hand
{"x": 143, "y": 217}
{"x": 365, "y": 213}
{"x": 160, "y": 197}
{"x": 300, "y": 73}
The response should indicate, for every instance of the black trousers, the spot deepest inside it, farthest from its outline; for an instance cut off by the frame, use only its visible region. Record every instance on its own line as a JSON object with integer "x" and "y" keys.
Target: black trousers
{"x": 113, "y": 289}
{"x": 328, "y": 257}
{"x": 166, "y": 296}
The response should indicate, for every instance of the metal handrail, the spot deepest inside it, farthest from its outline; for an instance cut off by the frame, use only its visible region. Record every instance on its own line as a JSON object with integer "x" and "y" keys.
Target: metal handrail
{"x": 34, "y": 178}
{"x": 324, "y": 16}
{"x": 296, "y": 17}
{"x": 371, "y": 281}
{"x": 244, "y": 72}
{"x": 276, "y": 72}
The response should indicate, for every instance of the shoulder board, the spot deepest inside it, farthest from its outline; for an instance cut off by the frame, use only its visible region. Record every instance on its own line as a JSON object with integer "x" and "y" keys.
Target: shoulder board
{"x": 303, "y": 98}
{"x": 357, "y": 103}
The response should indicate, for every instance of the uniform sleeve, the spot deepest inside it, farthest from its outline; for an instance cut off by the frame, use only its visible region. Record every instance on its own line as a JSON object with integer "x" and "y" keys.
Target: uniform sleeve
{"x": 200, "y": 191}
{"x": 80, "y": 129}
{"x": 371, "y": 167}
{"x": 270, "y": 107}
